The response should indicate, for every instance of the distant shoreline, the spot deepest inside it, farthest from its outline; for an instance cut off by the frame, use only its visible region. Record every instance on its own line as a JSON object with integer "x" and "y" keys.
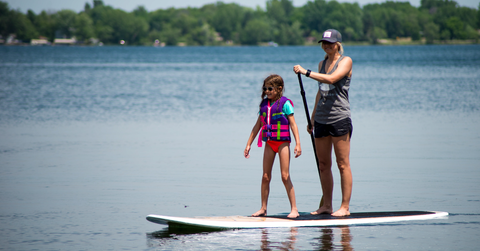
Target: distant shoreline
{"x": 380, "y": 42}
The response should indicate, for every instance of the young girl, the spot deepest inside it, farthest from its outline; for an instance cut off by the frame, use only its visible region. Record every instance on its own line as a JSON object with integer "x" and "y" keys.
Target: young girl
{"x": 275, "y": 120}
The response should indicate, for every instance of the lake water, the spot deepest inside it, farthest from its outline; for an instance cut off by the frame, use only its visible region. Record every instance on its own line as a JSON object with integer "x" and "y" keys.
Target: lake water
{"x": 93, "y": 139}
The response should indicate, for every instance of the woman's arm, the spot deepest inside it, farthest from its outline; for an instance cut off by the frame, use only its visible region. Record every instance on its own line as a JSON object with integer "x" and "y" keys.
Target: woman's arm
{"x": 344, "y": 68}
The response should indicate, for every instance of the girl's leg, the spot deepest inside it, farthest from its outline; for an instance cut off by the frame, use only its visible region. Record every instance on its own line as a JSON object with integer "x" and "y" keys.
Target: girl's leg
{"x": 284, "y": 156}
{"x": 341, "y": 147}
{"x": 324, "y": 155}
{"x": 268, "y": 159}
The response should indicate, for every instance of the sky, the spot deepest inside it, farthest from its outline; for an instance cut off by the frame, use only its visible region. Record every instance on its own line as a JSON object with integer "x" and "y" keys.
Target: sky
{"x": 128, "y": 5}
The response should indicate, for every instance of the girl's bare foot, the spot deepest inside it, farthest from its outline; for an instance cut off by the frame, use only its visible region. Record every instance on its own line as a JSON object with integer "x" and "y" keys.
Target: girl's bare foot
{"x": 342, "y": 212}
{"x": 322, "y": 210}
{"x": 293, "y": 214}
{"x": 260, "y": 213}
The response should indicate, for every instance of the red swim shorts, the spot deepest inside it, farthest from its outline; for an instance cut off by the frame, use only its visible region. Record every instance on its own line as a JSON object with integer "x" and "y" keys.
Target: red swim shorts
{"x": 276, "y": 144}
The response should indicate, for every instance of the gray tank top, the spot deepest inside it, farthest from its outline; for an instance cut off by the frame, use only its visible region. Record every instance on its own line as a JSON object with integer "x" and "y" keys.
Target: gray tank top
{"x": 333, "y": 104}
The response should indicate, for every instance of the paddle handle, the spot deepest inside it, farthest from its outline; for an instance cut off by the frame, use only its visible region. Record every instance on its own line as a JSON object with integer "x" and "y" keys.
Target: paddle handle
{"x": 309, "y": 121}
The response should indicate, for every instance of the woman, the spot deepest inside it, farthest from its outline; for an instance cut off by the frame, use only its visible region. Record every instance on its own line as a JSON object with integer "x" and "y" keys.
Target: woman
{"x": 332, "y": 119}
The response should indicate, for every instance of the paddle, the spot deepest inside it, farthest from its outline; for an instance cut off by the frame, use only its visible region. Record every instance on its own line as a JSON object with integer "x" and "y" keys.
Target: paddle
{"x": 302, "y": 92}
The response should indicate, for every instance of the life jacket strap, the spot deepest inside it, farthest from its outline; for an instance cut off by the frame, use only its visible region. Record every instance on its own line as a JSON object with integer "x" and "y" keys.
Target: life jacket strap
{"x": 275, "y": 127}
{"x": 275, "y": 134}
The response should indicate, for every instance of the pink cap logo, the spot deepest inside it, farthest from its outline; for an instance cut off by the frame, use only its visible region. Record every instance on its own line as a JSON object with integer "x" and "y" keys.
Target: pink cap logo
{"x": 327, "y": 34}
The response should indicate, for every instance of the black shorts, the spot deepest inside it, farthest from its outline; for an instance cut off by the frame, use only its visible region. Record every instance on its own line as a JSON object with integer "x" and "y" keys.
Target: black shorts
{"x": 336, "y": 129}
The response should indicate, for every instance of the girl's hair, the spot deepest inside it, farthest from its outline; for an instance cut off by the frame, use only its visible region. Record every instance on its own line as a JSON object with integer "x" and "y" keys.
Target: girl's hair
{"x": 277, "y": 82}
{"x": 340, "y": 49}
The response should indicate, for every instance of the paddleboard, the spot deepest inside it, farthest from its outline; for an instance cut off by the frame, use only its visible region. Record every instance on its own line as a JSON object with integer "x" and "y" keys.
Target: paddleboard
{"x": 304, "y": 220}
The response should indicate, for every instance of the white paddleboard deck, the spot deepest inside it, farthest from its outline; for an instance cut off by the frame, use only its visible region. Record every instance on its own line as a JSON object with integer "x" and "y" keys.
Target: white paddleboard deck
{"x": 305, "y": 220}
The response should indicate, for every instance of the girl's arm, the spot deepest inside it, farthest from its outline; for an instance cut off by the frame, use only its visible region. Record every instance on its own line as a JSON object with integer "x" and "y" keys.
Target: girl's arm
{"x": 253, "y": 134}
{"x": 344, "y": 68}
{"x": 293, "y": 126}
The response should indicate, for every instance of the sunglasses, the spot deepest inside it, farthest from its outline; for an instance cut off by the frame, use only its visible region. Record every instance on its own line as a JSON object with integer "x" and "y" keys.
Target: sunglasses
{"x": 268, "y": 88}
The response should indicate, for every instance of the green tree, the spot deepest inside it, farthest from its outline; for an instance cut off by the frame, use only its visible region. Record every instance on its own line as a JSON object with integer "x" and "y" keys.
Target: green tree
{"x": 31, "y": 16}
{"x": 344, "y": 17}
{"x": 64, "y": 23}
{"x": 83, "y": 26}
{"x": 456, "y": 28}
{"x": 471, "y": 33}
{"x": 315, "y": 16}
{"x": 478, "y": 16}
{"x": 23, "y": 28}
{"x": 290, "y": 34}
{"x": 431, "y": 32}
{"x": 45, "y": 25}
{"x": 454, "y": 22}
{"x": 97, "y": 3}
{"x": 185, "y": 21}
{"x": 203, "y": 35}
{"x": 4, "y": 19}
{"x": 280, "y": 22}
{"x": 141, "y": 12}
{"x": 161, "y": 26}
{"x": 227, "y": 19}
{"x": 352, "y": 25}
{"x": 256, "y": 31}
{"x": 170, "y": 35}
{"x": 285, "y": 30}
{"x": 159, "y": 18}
{"x": 14, "y": 22}
{"x": 280, "y": 11}
{"x": 113, "y": 25}
{"x": 87, "y": 7}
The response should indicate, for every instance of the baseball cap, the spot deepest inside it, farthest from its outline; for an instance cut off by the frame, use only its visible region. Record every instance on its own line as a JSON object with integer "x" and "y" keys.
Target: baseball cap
{"x": 332, "y": 36}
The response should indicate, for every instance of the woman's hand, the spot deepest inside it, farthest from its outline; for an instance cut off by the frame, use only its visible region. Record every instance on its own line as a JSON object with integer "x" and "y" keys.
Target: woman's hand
{"x": 298, "y": 69}
{"x": 309, "y": 129}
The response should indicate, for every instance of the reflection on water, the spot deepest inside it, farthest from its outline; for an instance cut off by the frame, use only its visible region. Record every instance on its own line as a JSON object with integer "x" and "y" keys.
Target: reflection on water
{"x": 171, "y": 234}
{"x": 330, "y": 239}
{"x": 287, "y": 244}
{"x": 327, "y": 239}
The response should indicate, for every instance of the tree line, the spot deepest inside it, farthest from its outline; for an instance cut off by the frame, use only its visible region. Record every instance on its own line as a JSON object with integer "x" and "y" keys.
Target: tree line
{"x": 229, "y": 23}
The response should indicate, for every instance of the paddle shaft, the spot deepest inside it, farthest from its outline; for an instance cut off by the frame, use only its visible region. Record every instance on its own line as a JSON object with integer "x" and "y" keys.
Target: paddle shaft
{"x": 309, "y": 121}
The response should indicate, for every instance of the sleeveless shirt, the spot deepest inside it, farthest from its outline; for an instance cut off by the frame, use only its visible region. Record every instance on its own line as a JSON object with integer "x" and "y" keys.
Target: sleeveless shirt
{"x": 333, "y": 104}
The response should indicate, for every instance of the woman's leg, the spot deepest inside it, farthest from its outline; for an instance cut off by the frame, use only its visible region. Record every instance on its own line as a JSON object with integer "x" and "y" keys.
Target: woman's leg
{"x": 324, "y": 154}
{"x": 268, "y": 159}
{"x": 284, "y": 156}
{"x": 341, "y": 146}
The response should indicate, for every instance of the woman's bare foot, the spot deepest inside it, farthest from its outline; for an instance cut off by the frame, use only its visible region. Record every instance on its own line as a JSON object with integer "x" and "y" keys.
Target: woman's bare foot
{"x": 322, "y": 210}
{"x": 342, "y": 212}
{"x": 293, "y": 214}
{"x": 260, "y": 213}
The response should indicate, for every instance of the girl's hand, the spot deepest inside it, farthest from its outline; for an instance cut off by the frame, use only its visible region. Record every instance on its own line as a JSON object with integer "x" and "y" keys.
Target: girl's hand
{"x": 246, "y": 152}
{"x": 298, "y": 69}
{"x": 297, "y": 151}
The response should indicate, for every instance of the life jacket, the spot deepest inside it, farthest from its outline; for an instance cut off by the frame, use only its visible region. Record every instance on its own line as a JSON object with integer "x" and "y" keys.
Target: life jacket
{"x": 275, "y": 125}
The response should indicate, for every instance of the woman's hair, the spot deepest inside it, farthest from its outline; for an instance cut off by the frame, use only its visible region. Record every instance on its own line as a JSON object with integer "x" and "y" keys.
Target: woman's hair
{"x": 340, "y": 49}
{"x": 277, "y": 82}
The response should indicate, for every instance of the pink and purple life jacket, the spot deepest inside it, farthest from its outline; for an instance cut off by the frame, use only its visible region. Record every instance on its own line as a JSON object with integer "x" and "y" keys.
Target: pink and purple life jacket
{"x": 275, "y": 124}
